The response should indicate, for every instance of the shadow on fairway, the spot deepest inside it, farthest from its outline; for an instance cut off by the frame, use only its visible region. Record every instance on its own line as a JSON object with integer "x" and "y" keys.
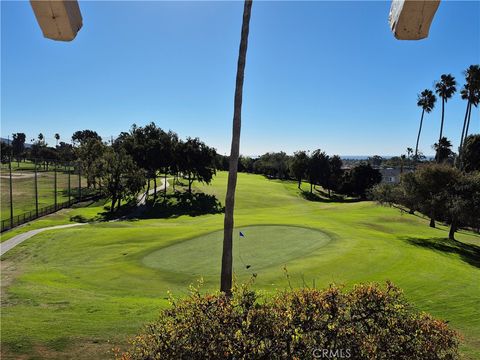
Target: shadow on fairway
{"x": 321, "y": 196}
{"x": 183, "y": 203}
{"x": 468, "y": 252}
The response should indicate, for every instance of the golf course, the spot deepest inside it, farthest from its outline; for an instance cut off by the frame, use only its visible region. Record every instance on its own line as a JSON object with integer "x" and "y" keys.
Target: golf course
{"x": 77, "y": 293}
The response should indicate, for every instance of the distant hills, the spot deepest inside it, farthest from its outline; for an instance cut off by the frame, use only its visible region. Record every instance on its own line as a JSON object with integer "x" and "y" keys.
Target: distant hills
{"x": 9, "y": 142}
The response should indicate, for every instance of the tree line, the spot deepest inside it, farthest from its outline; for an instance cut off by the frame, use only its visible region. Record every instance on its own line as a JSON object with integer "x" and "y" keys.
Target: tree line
{"x": 122, "y": 168}
{"x": 317, "y": 168}
{"x": 440, "y": 191}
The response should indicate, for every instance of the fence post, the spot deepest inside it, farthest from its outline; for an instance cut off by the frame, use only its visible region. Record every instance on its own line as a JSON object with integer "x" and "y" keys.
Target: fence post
{"x": 55, "y": 183}
{"x": 36, "y": 190}
{"x": 11, "y": 192}
{"x": 69, "y": 201}
{"x": 79, "y": 182}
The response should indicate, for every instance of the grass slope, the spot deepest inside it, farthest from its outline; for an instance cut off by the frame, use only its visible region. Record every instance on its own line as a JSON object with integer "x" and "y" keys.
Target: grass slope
{"x": 67, "y": 292}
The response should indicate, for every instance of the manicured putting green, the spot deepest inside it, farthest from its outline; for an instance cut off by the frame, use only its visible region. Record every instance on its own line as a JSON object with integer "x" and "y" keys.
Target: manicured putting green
{"x": 261, "y": 247}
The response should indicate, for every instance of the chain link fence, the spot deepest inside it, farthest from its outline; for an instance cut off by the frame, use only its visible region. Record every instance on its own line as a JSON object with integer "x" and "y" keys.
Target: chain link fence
{"x": 34, "y": 188}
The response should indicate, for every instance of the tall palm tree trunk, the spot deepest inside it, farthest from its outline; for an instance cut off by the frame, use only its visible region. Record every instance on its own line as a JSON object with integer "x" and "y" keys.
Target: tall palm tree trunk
{"x": 227, "y": 257}
{"x": 418, "y": 137}
{"x": 441, "y": 129}
{"x": 462, "y": 138}
{"x": 468, "y": 121}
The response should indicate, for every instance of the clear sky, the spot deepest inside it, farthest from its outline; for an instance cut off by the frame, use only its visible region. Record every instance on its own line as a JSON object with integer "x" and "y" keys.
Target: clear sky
{"x": 326, "y": 75}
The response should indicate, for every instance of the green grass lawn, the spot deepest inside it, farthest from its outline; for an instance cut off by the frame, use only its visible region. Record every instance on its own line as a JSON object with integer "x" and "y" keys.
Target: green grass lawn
{"x": 76, "y": 293}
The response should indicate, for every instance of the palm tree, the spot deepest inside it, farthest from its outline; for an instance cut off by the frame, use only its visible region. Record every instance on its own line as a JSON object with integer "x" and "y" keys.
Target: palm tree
{"x": 409, "y": 152}
{"x": 227, "y": 258}
{"x": 40, "y": 139}
{"x": 445, "y": 88}
{"x": 443, "y": 150}
{"x": 471, "y": 93}
{"x": 426, "y": 100}
{"x": 57, "y": 137}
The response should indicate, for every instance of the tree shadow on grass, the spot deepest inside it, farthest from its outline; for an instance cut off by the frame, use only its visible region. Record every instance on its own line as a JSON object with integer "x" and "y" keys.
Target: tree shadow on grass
{"x": 468, "y": 252}
{"x": 182, "y": 203}
{"x": 121, "y": 214}
{"x": 321, "y": 196}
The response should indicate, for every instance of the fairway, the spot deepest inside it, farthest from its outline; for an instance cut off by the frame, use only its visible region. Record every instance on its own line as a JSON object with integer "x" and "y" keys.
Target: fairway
{"x": 83, "y": 290}
{"x": 260, "y": 248}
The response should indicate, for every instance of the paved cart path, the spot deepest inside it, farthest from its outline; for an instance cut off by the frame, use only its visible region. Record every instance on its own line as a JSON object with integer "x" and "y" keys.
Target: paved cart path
{"x": 18, "y": 239}
{"x": 142, "y": 198}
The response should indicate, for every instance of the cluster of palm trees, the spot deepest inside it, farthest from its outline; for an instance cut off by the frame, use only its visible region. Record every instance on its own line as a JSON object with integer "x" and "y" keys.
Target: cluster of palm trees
{"x": 445, "y": 88}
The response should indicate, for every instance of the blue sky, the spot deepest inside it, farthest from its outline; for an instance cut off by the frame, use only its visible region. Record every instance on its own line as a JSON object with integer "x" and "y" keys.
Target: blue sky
{"x": 326, "y": 75}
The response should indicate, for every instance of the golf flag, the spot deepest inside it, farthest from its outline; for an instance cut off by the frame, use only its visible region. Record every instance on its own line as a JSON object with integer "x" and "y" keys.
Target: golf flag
{"x": 241, "y": 234}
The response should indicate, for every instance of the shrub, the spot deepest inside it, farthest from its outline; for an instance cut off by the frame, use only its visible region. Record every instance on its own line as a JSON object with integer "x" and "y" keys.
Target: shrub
{"x": 369, "y": 322}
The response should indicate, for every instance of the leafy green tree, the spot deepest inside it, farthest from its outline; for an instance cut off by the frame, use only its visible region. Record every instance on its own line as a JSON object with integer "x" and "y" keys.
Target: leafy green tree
{"x": 90, "y": 150}
{"x": 156, "y": 156}
{"x": 471, "y": 153}
{"x": 246, "y": 163}
{"x": 463, "y": 202}
{"x": 66, "y": 152}
{"x": 318, "y": 170}
{"x": 385, "y": 193}
{"x": 445, "y": 88}
{"x": 5, "y": 152}
{"x": 166, "y": 157}
{"x": 18, "y": 145}
{"x": 221, "y": 163}
{"x": 81, "y": 136}
{"x": 122, "y": 179}
{"x": 360, "y": 179}
{"x": 177, "y": 160}
{"x": 299, "y": 166}
{"x": 426, "y": 100}
{"x": 48, "y": 155}
{"x": 197, "y": 161}
{"x": 143, "y": 145}
{"x": 433, "y": 183}
{"x": 273, "y": 165}
{"x": 336, "y": 173}
{"x": 408, "y": 193}
{"x": 375, "y": 160}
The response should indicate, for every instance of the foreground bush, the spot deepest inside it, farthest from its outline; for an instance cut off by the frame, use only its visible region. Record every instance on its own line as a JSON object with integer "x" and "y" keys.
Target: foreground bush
{"x": 369, "y": 322}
